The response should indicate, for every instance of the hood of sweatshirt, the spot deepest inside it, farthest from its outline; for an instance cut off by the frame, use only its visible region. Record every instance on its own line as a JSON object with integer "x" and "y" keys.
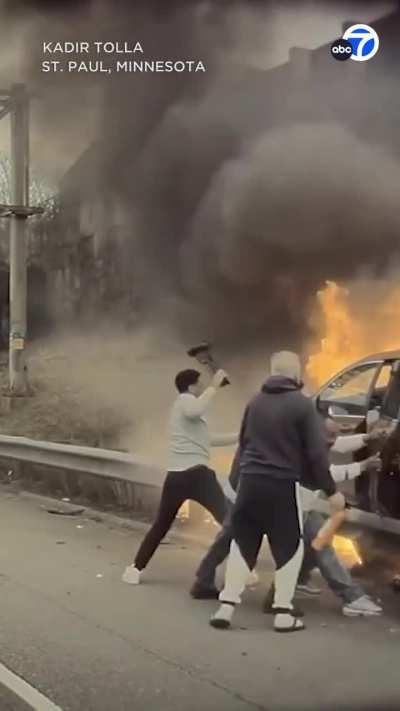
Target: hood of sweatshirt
{"x": 280, "y": 384}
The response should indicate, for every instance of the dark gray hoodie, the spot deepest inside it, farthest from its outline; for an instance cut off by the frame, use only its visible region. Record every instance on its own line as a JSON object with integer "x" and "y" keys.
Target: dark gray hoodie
{"x": 282, "y": 437}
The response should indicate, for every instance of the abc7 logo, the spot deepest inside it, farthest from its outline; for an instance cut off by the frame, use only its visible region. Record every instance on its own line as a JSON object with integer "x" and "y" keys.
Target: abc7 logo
{"x": 341, "y": 50}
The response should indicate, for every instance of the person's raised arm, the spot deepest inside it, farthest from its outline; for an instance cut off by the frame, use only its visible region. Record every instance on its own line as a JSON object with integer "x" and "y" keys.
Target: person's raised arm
{"x": 193, "y": 406}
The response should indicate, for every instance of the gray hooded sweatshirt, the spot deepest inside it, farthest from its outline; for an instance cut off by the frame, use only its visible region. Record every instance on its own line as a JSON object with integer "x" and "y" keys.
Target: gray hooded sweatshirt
{"x": 282, "y": 437}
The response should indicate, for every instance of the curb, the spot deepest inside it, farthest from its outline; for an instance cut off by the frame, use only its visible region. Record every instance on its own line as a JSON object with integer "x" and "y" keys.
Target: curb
{"x": 115, "y": 521}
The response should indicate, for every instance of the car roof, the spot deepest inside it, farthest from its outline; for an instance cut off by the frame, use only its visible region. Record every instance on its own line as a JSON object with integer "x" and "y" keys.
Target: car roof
{"x": 386, "y": 355}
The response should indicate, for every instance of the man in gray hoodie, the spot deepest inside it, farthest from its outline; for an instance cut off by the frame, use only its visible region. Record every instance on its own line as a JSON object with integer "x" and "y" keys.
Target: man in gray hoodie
{"x": 281, "y": 437}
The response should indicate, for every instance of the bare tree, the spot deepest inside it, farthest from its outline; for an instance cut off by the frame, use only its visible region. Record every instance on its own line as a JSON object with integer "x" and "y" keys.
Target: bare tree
{"x": 40, "y": 193}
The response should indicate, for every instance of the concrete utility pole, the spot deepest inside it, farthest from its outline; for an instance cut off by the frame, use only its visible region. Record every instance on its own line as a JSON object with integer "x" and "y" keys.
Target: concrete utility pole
{"x": 18, "y": 268}
{"x": 16, "y": 103}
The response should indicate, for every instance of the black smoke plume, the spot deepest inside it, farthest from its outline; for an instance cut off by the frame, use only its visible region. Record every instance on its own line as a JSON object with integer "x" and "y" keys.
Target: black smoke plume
{"x": 246, "y": 187}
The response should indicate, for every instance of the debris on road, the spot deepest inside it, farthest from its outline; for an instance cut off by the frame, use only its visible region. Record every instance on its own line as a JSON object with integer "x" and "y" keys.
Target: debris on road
{"x": 65, "y": 510}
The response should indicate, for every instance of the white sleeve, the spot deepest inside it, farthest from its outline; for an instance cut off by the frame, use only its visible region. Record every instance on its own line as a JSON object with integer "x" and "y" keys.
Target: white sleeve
{"x": 343, "y": 445}
{"x": 224, "y": 440}
{"x": 194, "y": 407}
{"x": 345, "y": 472}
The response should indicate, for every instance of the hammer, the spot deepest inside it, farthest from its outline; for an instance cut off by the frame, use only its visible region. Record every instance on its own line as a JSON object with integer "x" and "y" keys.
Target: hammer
{"x": 203, "y": 355}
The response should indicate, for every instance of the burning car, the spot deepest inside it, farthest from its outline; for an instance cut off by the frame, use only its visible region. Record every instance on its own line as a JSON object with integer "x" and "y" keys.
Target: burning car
{"x": 363, "y": 395}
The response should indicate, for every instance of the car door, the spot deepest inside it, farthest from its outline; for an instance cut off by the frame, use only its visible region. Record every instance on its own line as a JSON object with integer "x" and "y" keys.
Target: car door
{"x": 357, "y": 398}
{"x": 349, "y": 395}
{"x": 387, "y": 490}
{"x": 390, "y": 407}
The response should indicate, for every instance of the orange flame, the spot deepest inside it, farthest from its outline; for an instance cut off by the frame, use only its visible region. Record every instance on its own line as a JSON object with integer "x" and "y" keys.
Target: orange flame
{"x": 184, "y": 512}
{"x": 347, "y": 336}
{"x": 347, "y": 551}
{"x": 221, "y": 461}
{"x": 341, "y": 343}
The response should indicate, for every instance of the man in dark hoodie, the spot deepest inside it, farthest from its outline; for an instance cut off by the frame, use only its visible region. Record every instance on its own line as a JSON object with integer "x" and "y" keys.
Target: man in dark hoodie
{"x": 356, "y": 602}
{"x": 281, "y": 437}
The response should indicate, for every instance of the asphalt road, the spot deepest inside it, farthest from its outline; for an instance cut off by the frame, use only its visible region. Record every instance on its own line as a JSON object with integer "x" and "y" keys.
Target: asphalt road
{"x": 86, "y": 641}
{"x": 10, "y": 702}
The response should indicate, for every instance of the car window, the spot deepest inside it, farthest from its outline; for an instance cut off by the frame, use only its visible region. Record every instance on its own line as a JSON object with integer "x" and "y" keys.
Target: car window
{"x": 391, "y": 394}
{"x": 380, "y": 386}
{"x": 383, "y": 378}
{"x": 350, "y": 390}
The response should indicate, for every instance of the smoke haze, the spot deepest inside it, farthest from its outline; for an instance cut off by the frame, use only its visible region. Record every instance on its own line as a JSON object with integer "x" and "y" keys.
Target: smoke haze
{"x": 243, "y": 189}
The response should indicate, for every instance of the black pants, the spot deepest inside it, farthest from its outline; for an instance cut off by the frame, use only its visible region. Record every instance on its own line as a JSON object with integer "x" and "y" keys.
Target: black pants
{"x": 218, "y": 551}
{"x": 265, "y": 506}
{"x": 198, "y": 484}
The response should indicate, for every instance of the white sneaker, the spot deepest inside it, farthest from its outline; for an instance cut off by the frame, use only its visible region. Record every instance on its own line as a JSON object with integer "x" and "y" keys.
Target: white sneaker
{"x": 252, "y": 580}
{"x": 308, "y": 589}
{"x": 222, "y": 618}
{"x": 363, "y": 607}
{"x": 131, "y": 575}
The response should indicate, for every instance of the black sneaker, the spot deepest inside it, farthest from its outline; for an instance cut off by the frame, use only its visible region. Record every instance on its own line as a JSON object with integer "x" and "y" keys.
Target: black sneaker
{"x": 198, "y": 592}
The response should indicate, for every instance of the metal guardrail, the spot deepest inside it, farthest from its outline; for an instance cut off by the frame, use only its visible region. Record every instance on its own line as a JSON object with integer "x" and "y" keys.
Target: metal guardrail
{"x": 358, "y": 518}
{"x": 125, "y": 467}
{"x": 90, "y": 460}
